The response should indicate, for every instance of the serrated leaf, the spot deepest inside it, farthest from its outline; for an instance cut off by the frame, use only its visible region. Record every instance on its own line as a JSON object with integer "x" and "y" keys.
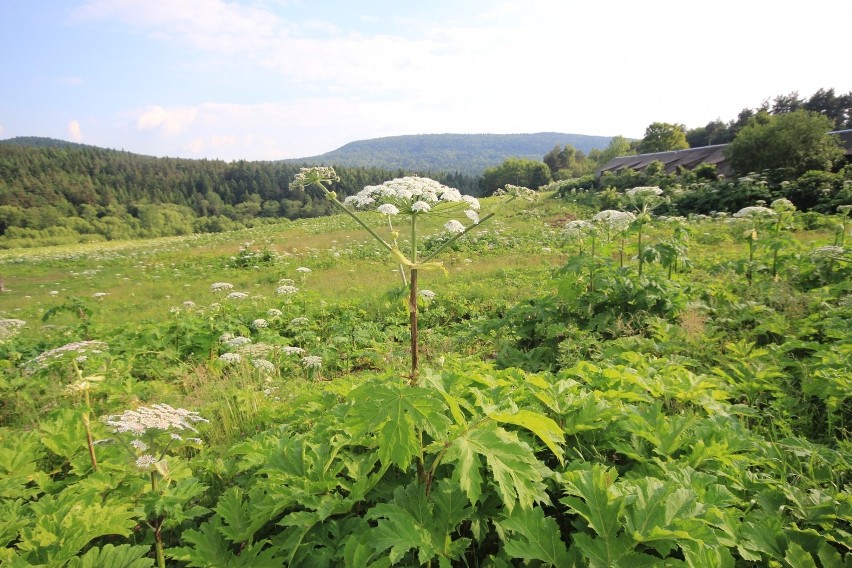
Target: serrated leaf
{"x": 396, "y": 414}
{"x": 122, "y": 556}
{"x": 533, "y": 536}
{"x": 402, "y": 525}
{"x": 829, "y": 557}
{"x": 515, "y": 470}
{"x": 797, "y": 557}
{"x": 239, "y": 521}
{"x": 603, "y": 552}
{"x": 545, "y": 428}
{"x": 589, "y": 496}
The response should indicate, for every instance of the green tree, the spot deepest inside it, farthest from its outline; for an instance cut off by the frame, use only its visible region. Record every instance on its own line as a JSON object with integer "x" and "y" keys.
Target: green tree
{"x": 618, "y": 146}
{"x": 662, "y": 137}
{"x": 516, "y": 171}
{"x": 790, "y": 144}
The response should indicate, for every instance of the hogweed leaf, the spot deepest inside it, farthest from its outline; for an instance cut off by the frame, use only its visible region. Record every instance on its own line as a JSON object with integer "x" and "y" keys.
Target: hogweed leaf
{"x": 547, "y": 430}
{"x": 589, "y": 496}
{"x": 515, "y": 470}
{"x": 122, "y": 556}
{"x": 605, "y": 552}
{"x": 396, "y": 414}
{"x": 533, "y": 536}
{"x": 798, "y": 557}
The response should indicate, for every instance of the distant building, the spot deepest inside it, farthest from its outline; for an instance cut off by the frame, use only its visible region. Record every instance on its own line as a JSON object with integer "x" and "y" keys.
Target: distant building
{"x": 693, "y": 157}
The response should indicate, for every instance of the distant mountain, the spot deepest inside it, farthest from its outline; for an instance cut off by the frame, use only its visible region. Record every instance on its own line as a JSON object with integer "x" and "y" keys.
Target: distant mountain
{"x": 469, "y": 154}
{"x": 42, "y": 142}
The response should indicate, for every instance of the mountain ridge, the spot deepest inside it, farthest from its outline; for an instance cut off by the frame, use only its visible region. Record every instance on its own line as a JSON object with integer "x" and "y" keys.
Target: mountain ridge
{"x": 464, "y": 153}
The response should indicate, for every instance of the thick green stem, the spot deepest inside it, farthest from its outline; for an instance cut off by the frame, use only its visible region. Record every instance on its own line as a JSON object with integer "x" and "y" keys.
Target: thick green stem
{"x": 158, "y": 537}
{"x": 641, "y": 259}
{"x": 412, "y": 316}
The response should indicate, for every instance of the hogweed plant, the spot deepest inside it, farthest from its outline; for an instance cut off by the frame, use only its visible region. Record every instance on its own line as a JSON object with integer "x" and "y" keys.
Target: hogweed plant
{"x": 843, "y": 212}
{"x": 644, "y": 199}
{"x": 413, "y": 198}
{"x": 153, "y": 431}
{"x": 753, "y": 215}
{"x": 780, "y": 207}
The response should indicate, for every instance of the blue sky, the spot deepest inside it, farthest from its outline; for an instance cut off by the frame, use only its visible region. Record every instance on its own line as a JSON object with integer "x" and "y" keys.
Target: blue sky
{"x": 273, "y": 79}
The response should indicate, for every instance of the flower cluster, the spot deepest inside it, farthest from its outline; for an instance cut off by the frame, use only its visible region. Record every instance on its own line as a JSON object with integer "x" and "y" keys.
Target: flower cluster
{"x": 577, "y": 229}
{"x": 156, "y": 417}
{"x": 410, "y": 195}
{"x": 312, "y": 362}
{"x": 286, "y": 289}
{"x": 9, "y": 327}
{"x": 221, "y": 287}
{"x": 753, "y": 212}
{"x": 644, "y": 191}
{"x": 616, "y": 220}
{"x": 77, "y": 349}
{"x": 316, "y": 175}
{"x": 782, "y": 204}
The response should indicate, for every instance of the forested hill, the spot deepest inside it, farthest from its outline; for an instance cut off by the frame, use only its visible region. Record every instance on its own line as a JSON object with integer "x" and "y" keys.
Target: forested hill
{"x": 52, "y": 192}
{"x": 469, "y": 154}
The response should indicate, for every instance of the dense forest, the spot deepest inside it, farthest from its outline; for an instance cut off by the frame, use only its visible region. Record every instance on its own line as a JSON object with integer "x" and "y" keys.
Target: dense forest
{"x": 54, "y": 192}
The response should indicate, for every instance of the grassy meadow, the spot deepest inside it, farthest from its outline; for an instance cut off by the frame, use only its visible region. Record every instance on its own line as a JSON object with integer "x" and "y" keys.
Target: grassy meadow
{"x": 668, "y": 392}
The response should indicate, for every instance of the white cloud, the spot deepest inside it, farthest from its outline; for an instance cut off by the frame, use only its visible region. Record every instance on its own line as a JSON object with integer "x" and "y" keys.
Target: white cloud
{"x": 74, "y": 131}
{"x": 172, "y": 121}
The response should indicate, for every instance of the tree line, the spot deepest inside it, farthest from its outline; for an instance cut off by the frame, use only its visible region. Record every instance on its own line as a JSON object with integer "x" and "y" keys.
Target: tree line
{"x": 62, "y": 193}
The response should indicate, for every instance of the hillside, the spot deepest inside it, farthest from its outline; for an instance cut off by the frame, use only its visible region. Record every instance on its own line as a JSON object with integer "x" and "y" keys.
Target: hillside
{"x": 469, "y": 154}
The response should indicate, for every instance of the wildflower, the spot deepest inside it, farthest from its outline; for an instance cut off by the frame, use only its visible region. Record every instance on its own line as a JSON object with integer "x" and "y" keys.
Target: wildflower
{"x": 388, "y": 209}
{"x": 259, "y": 323}
{"x": 783, "y": 204}
{"x": 221, "y": 287}
{"x": 516, "y": 191}
{"x": 264, "y": 366}
{"x": 100, "y": 295}
{"x": 255, "y": 349}
{"x": 54, "y": 292}
{"x": 286, "y": 289}
{"x": 303, "y": 270}
{"x": 315, "y": 175}
{"x": 139, "y": 445}
{"x": 644, "y": 191}
{"x": 287, "y": 350}
{"x": 156, "y": 417}
{"x": 146, "y": 461}
{"x": 238, "y": 341}
{"x": 473, "y": 216}
{"x": 274, "y": 313}
{"x": 9, "y": 327}
{"x": 827, "y": 251}
{"x": 236, "y": 296}
{"x": 230, "y": 358}
{"x": 227, "y": 336}
{"x": 301, "y": 320}
{"x": 576, "y": 229}
{"x": 454, "y": 226}
{"x": 189, "y": 304}
{"x": 755, "y": 211}
{"x": 420, "y": 207}
{"x": 77, "y": 349}
{"x": 312, "y": 362}
{"x": 428, "y": 294}
{"x": 617, "y": 220}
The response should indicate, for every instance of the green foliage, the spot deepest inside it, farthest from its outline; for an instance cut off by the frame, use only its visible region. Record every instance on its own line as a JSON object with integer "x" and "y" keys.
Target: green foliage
{"x": 662, "y": 137}
{"x": 790, "y": 144}
{"x": 522, "y": 172}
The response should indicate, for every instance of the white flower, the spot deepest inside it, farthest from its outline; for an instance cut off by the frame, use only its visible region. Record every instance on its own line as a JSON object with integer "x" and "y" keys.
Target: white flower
{"x": 428, "y": 294}
{"x": 259, "y": 323}
{"x": 156, "y": 417}
{"x": 454, "y": 226}
{"x": 239, "y": 341}
{"x": 471, "y": 201}
{"x": 303, "y": 270}
{"x": 312, "y": 362}
{"x": 756, "y": 211}
{"x": 100, "y": 295}
{"x": 146, "y": 462}
{"x": 286, "y": 289}
{"x": 287, "y": 350}
{"x": 420, "y": 207}
{"x": 230, "y": 358}
{"x": 9, "y": 327}
{"x": 77, "y": 349}
{"x": 827, "y": 251}
{"x": 274, "y": 313}
{"x": 189, "y": 304}
{"x": 139, "y": 445}
{"x": 236, "y": 296}
{"x": 388, "y": 209}
{"x": 644, "y": 191}
{"x": 473, "y": 216}
{"x": 301, "y": 320}
{"x": 263, "y": 366}
{"x": 617, "y": 220}
{"x": 578, "y": 228}
{"x": 221, "y": 287}
{"x": 782, "y": 204}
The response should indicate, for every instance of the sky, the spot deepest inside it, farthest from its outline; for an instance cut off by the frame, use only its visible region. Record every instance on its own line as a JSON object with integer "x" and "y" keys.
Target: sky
{"x": 275, "y": 79}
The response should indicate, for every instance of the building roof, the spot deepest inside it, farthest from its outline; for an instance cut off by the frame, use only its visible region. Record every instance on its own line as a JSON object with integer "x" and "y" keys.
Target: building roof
{"x": 689, "y": 159}
{"x": 692, "y": 157}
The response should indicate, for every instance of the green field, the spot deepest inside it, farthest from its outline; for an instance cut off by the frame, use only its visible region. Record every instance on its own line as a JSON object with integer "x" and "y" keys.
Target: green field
{"x": 586, "y": 397}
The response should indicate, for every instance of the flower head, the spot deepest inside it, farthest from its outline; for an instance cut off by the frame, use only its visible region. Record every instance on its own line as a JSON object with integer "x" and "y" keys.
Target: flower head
{"x": 427, "y": 294}
{"x": 312, "y": 362}
{"x": 388, "y": 209}
{"x": 155, "y": 417}
{"x": 617, "y": 220}
{"x": 783, "y": 204}
{"x": 317, "y": 175}
{"x": 454, "y": 226}
{"x": 221, "y": 287}
{"x": 286, "y": 289}
{"x": 754, "y": 212}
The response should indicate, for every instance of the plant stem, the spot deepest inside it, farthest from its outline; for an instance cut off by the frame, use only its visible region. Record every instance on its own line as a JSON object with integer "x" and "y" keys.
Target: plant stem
{"x": 158, "y": 537}
{"x": 641, "y": 260}
{"x": 89, "y": 441}
{"x": 412, "y": 316}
